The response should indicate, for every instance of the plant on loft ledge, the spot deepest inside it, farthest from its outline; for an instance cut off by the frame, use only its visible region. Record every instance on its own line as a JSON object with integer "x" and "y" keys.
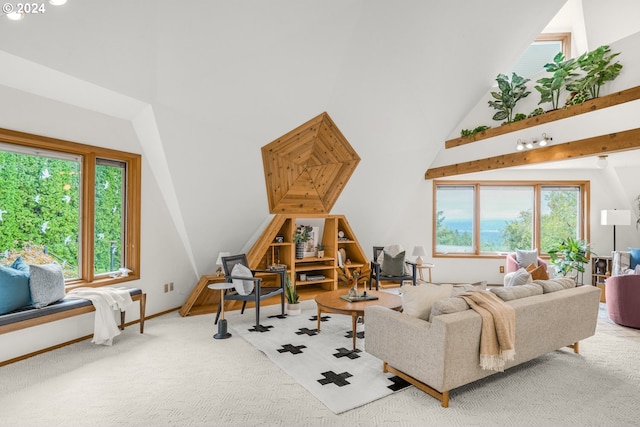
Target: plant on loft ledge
{"x": 562, "y": 74}
{"x": 467, "y": 133}
{"x": 570, "y": 255}
{"x": 300, "y": 236}
{"x": 598, "y": 71}
{"x": 508, "y": 95}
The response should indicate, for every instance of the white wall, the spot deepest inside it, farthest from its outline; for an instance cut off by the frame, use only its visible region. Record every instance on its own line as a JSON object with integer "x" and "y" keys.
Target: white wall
{"x": 163, "y": 257}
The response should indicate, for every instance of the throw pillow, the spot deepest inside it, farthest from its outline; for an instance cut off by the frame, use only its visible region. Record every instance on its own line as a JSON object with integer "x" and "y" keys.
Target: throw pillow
{"x": 521, "y": 277}
{"x": 418, "y": 300}
{"x": 635, "y": 257}
{"x": 46, "y": 283}
{"x": 19, "y": 264}
{"x": 538, "y": 273}
{"x": 526, "y": 258}
{"x": 393, "y": 265}
{"x": 243, "y": 287}
{"x": 14, "y": 289}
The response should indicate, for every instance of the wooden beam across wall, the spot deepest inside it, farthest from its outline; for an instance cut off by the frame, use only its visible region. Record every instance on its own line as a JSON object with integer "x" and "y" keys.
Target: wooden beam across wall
{"x": 598, "y": 145}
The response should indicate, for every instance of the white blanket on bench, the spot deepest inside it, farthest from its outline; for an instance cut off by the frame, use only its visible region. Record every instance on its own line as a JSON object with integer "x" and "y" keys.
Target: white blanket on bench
{"x": 105, "y": 300}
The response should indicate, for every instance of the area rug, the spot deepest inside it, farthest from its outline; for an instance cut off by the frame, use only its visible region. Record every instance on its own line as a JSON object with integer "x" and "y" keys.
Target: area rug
{"x": 324, "y": 363}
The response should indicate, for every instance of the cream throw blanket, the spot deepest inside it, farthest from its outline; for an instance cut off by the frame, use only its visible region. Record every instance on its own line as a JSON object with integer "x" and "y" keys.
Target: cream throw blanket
{"x": 498, "y": 335}
{"x": 105, "y": 300}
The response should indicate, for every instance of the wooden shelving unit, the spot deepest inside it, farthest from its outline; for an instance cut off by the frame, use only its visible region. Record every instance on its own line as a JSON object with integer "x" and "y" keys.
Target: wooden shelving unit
{"x": 266, "y": 252}
{"x": 601, "y": 268}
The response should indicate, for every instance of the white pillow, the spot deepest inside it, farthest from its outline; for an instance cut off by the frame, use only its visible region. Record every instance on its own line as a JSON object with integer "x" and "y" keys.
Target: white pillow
{"x": 526, "y": 258}
{"x": 243, "y": 287}
{"x": 520, "y": 277}
{"x": 418, "y": 300}
{"x": 46, "y": 284}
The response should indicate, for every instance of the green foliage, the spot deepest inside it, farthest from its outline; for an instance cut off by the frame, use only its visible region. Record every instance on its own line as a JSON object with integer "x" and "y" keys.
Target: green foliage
{"x": 472, "y": 133}
{"x": 517, "y": 234}
{"x": 562, "y": 73}
{"x": 290, "y": 290}
{"x": 508, "y": 95}
{"x": 598, "y": 70}
{"x": 109, "y": 218}
{"x": 449, "y": 237}
{"x": 536, "y": 112}
{"x": 519, "y": 116}
{"x": 301, "y": 234}
{"x": 569, "y": 255}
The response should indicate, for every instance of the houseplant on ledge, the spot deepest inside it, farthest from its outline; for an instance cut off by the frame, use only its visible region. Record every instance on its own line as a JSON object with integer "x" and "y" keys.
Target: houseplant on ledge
{"x": 293, "y": 305}
{"x": 300, "y": 236}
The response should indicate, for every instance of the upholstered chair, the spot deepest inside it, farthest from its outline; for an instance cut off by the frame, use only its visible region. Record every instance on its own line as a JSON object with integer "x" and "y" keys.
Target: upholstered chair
{"x": 622, "y": 295}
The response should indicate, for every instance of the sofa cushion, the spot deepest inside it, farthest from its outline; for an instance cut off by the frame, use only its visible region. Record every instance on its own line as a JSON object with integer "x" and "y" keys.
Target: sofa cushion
{"x": 526, "y": 258}
{"x": 448, "y": 306}
{"x": 517, "y": 292}
{"x": 14, "y": 289}
{"x": 557, "y": 284}
{"x": 46, "y": 283}
{"x": 634, "y": 258}
{"x": 518, "y": 278}
{"x": 417, "y": 301}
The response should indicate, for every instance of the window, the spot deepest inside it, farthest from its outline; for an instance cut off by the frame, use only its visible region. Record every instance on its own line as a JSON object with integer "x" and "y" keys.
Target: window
{"x": 541, "y": 52}
{"x": 490, "y": 218}
{"x": 71, "y": 203}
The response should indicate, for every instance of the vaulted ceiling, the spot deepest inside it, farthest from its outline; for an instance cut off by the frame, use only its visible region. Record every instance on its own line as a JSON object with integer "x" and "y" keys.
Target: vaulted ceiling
{"x": 224, "y": 78}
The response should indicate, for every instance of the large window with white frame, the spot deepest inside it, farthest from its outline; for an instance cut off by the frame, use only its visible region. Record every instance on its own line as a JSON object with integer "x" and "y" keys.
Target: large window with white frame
{"x": 71, "y": 203}
{"x": 490, "y": 218}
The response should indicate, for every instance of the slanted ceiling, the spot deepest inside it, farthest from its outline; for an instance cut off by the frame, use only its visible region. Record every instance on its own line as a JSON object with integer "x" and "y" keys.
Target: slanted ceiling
{"x": 306, "y": 169}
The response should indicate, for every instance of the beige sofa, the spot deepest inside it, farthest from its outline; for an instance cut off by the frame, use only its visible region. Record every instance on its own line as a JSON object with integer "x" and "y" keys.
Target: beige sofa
{"x": 439, "y": 355}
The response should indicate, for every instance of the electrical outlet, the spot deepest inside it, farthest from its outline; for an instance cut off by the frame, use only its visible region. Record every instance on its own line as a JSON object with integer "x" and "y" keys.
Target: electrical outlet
{"x": 170, "y": 286}
{"x": 166, "y": 287}
{"x": 502, "y": 269}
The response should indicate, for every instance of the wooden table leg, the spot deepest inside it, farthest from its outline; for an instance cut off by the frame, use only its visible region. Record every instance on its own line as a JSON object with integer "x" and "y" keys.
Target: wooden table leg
{"x": 319, "y": 314}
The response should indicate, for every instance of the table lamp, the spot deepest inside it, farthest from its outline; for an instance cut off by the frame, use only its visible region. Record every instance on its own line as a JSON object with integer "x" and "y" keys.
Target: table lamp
{"x": 419, "y": 252}
{"x": 615, "y": 217}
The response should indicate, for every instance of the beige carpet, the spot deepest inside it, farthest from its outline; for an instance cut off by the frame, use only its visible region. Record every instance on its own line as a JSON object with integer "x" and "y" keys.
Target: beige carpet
{"x": 177, "y": 375}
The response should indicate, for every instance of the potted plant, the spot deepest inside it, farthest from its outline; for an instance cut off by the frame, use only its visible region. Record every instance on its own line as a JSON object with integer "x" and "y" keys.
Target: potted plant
{"x": 562, "y": 74}
{"x": 569, "y": 255}
{"x": 293, "y": 305}
{"x": 510, "y": 92}
{"x": 320, "y": 247}
{"x": 598, "y": 70}
{"x": 300, "y": 236}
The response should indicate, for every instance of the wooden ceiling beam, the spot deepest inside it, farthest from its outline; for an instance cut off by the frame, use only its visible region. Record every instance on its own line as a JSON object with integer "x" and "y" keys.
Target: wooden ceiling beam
{"x": 598, "y": 145}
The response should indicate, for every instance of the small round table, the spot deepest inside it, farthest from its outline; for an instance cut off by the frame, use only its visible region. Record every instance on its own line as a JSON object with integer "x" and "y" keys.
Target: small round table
{"x": 222, "y": 322}
{"x": 331, "y": 302}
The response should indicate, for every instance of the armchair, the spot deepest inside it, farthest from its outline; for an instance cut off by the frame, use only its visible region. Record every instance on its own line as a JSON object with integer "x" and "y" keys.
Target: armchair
{"x": 380, "y": 274}
{"x": 247, "y": 287}
{"x": 622, "y": 296}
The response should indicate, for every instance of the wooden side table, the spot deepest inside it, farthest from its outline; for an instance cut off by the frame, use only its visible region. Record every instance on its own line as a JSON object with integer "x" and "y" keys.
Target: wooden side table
{"x": 222, "y": 322}
{"x": 421, "y": 267}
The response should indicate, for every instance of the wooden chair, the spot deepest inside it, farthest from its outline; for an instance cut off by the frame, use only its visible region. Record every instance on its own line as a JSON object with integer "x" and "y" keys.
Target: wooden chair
{"x": 258, "y": 293}
{"x": 378, "y": 275}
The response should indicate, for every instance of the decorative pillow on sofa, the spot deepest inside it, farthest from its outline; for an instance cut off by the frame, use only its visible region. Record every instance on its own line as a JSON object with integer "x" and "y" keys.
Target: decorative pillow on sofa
{"x": 19, "y": 264}
{"x": 418, "y": 300}
{"x": 46, "y": 283}
{"x": 634, "y": 257}
{"x": 557, "y": 284}
{"x": 243, "y": 287}
{"x": 14, "y": 289}
{"x": 520, "y": 277}
{"x": 517, "y": 292}
{"x": 538, "y": 272}
{"x": 526, "y": 258}
{"x": 393, "y": 265}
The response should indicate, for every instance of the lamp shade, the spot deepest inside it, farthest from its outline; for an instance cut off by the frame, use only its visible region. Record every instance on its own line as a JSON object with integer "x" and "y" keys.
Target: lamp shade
{"x": 615, "y": 217}
{"x": 419, "y": 252}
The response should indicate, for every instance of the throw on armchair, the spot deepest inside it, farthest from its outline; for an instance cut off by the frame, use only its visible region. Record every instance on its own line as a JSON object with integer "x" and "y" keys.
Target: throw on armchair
{"x": 512, "y": 263}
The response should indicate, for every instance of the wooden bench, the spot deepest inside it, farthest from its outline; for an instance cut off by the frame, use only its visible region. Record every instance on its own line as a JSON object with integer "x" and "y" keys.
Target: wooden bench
{"x": 29, "y": 316}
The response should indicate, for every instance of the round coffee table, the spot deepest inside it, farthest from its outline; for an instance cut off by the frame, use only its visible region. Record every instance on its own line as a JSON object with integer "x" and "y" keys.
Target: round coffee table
{"x": 331, "y": 302}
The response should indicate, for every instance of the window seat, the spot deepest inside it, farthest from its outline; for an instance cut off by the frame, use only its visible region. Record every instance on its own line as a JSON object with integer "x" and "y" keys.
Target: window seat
{"x": 28, "y": 316}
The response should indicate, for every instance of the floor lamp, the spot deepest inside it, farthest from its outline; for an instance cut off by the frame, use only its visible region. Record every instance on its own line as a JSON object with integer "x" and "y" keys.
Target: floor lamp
{"x": 615, "y": 217}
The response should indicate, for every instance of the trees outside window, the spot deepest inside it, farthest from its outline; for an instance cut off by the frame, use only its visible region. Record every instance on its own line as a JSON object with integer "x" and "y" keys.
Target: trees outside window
{"x": 508, "y": 216}
{"x": 71, "y": 203}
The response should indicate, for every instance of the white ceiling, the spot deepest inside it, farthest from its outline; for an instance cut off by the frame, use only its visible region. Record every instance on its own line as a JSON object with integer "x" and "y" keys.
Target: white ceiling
{"x": 224, "y": 78}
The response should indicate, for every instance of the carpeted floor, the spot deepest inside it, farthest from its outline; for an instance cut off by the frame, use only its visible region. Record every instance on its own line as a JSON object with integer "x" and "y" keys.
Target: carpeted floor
{"x": 177, "y": 375}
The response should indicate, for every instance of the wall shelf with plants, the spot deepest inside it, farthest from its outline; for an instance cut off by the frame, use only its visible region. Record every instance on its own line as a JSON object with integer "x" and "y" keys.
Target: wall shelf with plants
{"x": 579, "y": 79}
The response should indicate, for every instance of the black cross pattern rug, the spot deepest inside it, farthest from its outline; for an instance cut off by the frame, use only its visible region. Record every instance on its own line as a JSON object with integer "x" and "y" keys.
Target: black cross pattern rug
{"x": 324, "y": 363}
